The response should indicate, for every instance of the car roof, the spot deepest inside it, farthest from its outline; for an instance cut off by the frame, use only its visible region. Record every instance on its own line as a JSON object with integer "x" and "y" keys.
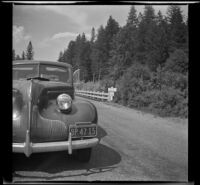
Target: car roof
{"x": 41, "y": 62}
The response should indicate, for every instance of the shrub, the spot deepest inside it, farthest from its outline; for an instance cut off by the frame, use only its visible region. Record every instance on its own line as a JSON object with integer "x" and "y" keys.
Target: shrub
{"x": 106, "y": 83}
{"x": 169, "y": 102}
{"x": 132, "y": 83}
{"x": 101, "y": 86}
{"x": 165, "y": 102}
{"x": 175, "y": 80}
{"x": 139, "y": 71}
{"x": 177, "y": 62}
{"x": 89, "y": 86}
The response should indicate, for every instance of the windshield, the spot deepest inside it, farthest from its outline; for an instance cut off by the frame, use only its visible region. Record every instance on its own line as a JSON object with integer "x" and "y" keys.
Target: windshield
{"x": 42, "y": 71}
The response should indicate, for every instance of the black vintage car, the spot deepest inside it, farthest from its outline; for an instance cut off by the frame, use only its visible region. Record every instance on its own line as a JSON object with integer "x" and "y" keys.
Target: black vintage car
{"x": 46, "y": 115}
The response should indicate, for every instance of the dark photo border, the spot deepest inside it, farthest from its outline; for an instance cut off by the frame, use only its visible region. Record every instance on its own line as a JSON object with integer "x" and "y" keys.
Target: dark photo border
{"x": 6, "y": 11}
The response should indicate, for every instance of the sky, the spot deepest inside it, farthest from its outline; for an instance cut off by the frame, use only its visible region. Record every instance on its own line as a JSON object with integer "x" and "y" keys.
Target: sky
{"x": 50, "y": 28}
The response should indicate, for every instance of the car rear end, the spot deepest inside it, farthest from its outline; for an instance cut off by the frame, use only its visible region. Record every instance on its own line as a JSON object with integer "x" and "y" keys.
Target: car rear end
{"x": 40, "y": 124}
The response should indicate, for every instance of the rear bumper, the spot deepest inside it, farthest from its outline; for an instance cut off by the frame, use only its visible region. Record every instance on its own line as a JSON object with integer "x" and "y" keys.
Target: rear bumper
{"x": 28, "y": 148}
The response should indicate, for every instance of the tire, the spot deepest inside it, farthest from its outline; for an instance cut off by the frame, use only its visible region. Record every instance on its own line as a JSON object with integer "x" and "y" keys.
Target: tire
{"x": 83, "y": 155}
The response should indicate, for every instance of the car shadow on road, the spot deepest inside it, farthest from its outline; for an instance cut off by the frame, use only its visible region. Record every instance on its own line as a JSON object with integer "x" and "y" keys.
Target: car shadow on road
{"x": 53, "y": 164}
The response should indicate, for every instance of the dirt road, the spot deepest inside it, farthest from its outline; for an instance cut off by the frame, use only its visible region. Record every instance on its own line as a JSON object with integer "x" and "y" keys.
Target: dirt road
{"x": 134, "y": 146}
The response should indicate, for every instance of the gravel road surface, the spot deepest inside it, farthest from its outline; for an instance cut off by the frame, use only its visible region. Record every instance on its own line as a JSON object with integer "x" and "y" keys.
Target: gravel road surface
{"x": 134, "y": 146}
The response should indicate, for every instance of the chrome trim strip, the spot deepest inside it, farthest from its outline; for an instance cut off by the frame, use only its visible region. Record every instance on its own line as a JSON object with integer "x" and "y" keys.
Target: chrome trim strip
{"x": 27, "y": 145}
{"x": 70, "y": 143}
{"x": 84, "y": 123}
{"x": 53, "y": 146}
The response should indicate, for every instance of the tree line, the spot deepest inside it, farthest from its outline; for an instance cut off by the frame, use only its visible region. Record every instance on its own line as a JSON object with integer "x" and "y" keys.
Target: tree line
{"x": 150, "y": 39}
{"x": 28, "y": 55}
{"x": 146, "y": 59}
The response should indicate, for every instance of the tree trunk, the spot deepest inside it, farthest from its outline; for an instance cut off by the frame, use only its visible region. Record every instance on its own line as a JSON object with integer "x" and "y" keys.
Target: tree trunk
{"x": 99, "y": 75}
{"x": 93, "y": 77}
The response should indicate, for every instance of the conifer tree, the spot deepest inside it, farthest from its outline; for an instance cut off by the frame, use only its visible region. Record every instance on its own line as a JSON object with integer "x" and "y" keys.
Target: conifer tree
{"x": 178, "y": 29}
{"x": 93, "y": 36}
{"x": 132, "y": 17}
{"x": 98, "y": 53}
{"x": 146, "y": 35}
{"x": 60, "y": 58}
{"x": 29, "y": 51}
{"x": 69, "y": 54}
{"x": 149, "y": 14}
{"x": 18, "y": 57}
{"x": 111, "y": 29}
{"x": 123, "y": 47}
{"x": 23, "y": 56}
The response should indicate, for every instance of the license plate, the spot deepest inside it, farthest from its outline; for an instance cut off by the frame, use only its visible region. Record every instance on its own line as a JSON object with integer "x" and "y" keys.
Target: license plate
{"x": 83, "y": 131}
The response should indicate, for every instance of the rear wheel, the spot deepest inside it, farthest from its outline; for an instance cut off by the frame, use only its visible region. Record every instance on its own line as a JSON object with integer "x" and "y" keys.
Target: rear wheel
{"x": 83, "y": 155}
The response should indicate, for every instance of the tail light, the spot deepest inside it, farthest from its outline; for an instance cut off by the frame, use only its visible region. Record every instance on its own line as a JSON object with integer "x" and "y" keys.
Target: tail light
{"x": 64, "y": 102}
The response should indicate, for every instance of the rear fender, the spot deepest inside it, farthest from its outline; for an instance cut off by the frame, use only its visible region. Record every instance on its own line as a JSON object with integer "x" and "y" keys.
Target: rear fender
{"x": 82, "y": 111}
{"x": 50, "y": 124}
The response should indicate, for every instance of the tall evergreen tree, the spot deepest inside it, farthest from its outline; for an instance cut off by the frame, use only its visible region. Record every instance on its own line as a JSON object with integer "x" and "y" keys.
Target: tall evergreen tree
{"x": 93, "y": 35}
{"x": 92, "y": 43}
{"x": 60, "y": 57}
{"x": 29, "y": 51}
{"x": 78, "y": 55}
{"x": 18, "y": 57}
{"x": 23, "y": 55}
{"x": 152, "y": 39}
{"x": 86, "y": 60}
{"x": 98, "y": 53}
{"x": 111, "y": 29}
{"x": 159, "y": 18}
{"x": 178, "y": 29}
{"x": 78, "y": 50}
{"x": 69, "y": 54}
{"x": 123, "y": 51}
{"x": 160, "y": 41}
{"x": 140, "y": 18}
{"x": 132, "y": 17}
{"x": 149, "y": 14}
{"x": 146, "y": 34}
{"x": 124, "y": 47}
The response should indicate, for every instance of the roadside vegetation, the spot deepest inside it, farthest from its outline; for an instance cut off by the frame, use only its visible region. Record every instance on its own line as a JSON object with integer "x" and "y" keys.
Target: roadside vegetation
{"x": 165, "y": 95}
{"x": 146, "y": 60}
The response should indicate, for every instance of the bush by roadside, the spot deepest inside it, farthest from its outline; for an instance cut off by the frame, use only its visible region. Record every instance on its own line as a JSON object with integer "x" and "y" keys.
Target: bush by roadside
{"x": 162, "y": 92}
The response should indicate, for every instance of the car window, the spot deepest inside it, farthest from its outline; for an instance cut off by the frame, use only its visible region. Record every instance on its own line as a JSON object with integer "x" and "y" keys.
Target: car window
{"x": 24, "y": 71}
{"x": 55, "y": 73}
{"x": 51, "y": 72}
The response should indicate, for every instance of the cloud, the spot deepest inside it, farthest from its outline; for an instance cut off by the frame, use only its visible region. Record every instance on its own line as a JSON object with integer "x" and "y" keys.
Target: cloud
{"x": 19, "y": 34}
{"x": 56, "y": 39}
{"x": 67, "y": 35}
{"x": 63, "y": 35}
{"x": 61, "y": 38}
